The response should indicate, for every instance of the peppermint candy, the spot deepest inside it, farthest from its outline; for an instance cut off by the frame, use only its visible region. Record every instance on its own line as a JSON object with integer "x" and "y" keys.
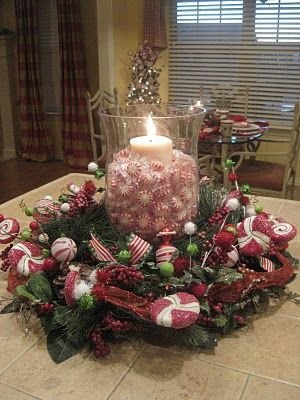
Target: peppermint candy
{"x": 26, "y": 257}
{"x": 176, "y": 311}
{"x": 64, "y": 249}
{"x": 283, "y": 232}
{"x": 254, "y": 235}
{"x": 9, "y": 229}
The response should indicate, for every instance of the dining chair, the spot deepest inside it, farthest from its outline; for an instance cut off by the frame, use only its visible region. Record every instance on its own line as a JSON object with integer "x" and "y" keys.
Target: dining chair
{"x": 271, "y": 178}
{"x": 98, "y": 141}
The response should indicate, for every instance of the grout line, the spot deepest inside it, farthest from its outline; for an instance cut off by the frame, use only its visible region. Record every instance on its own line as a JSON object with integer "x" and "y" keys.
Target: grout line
{"x": 244, "y": 388}
{"x": 21, "y": 391}
{"x": 122, "y": 377}
{"x": 19, "y": 356}
{"x": 250, "y": 373}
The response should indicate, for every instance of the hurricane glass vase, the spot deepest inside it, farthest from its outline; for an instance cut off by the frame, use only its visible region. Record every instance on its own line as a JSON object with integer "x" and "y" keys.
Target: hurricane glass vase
{"x": 151, "y": 170}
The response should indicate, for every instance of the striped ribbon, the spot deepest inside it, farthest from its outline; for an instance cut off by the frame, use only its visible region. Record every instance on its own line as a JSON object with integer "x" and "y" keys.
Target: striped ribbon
{"x": 266, "y": 264}
{"x": 138, "y": 247}
{"x": 99, "y": 250}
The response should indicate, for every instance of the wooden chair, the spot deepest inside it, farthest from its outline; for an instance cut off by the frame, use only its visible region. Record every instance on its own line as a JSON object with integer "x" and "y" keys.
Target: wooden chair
{"x": 271, "y": 178}
{"x": 98, "y": 140}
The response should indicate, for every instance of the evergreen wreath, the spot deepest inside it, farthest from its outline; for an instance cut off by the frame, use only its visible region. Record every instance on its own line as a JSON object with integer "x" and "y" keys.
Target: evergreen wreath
{"x": 90, "y": 285}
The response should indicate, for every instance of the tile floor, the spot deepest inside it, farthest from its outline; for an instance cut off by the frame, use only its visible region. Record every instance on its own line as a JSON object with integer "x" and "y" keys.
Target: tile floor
{"x": 260, "y": 362}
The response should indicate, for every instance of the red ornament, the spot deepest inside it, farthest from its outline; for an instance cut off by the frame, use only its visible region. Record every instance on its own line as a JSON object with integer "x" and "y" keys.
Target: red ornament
{"x": 14, "y": 280}
{"x": 34, "y": 226}
{"x": 1, "y": 217}
{"x": 9, "y": 229}
{"x": 232, "y": 176}
{"x": 225, "y": 239}
{"x": 166, "y": 250}
{"x": 254, "y": 235}
{"x": 49, "y": 264}
{"x": 89, "y": 188}
{"x": 198, "y": 289}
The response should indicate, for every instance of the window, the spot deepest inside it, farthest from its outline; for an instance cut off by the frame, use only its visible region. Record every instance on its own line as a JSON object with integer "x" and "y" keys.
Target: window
{"x": 245, "y": 44}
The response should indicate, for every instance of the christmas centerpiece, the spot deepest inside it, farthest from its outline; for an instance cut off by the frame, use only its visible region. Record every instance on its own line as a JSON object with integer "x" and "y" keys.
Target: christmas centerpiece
{"x": 152, "y": 258}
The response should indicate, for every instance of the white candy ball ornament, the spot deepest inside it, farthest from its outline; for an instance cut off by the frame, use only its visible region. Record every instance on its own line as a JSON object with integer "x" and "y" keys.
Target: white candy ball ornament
{"x": 92, "y": 167}
{"x": 9, "y": 229}
{"x": 65, "y": 207}
{"x": 176, "y": 311}
{"x": 26, "y": 257}
{"x": 64, "y": 249}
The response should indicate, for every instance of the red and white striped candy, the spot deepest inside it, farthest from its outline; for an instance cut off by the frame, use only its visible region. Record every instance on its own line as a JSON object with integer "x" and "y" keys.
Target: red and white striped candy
{"x": 254, "y": 235}
{"x": 26, "y": 257}
{"x": 283, "y": 232}
{"x": 164, "y": 253}
{"x": 233, "y": 258}
{"x": 176, "y": 311}
{"x": 64, "y": 249}
{"x": 266, "y": 264}
{"x": 69, "y": 289}
{"x": 9, "y": 229}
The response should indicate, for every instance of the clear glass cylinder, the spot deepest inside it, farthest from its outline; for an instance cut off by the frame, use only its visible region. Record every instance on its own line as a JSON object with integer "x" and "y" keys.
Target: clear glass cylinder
{"x": 151, "y": 170}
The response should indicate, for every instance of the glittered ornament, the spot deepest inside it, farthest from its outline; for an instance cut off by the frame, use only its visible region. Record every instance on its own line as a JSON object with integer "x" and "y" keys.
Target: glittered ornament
{"x": 233, "y": 257}
{"x": 92, "y": 167}
{"x": 26, "y": 257}
{"x": 176, "y": 311}
{"x": 225, "y": 239}
{"x": 180, "y": 264}
{"x": 254, "y": 235}
{"x": 9, "y": 229}
{"x": 283, "y": 232}
{"x": 166, "y": 269}
{"x": 192, "y": 249}
{"x": 198, "y": 289}
{"x": 64, "y": 249}
{"x": 69, "y": 288}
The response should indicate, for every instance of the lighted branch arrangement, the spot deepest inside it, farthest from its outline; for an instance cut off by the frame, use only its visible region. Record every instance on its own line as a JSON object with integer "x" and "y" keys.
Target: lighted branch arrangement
{"x": 91, "y": 285}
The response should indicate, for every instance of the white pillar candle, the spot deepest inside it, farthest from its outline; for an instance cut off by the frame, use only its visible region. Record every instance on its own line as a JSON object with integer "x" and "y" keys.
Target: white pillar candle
{"x": 152, "y": 146}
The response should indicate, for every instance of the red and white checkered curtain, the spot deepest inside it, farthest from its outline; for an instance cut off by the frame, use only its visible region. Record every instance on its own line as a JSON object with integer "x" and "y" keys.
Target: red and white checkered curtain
{"x": 155, "y": 24}
{"x": 35, "y": 140}
{"x": 76, "y": 140}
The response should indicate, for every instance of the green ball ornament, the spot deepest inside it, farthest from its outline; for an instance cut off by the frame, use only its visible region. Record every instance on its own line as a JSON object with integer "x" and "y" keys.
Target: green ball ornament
{"x": 25, "y": 234}
{"x": 29, "y": 211}
{"x": 231, "y": 229}
{"x": 99, "y": 174}
{"x": 124, "y": 256}
{"x": 63, "y": 198}
{"x": 258, "y": 209}
{"x": 86, "y": 302}
{"x": 46, "y": 253}
{"x": 192, "y": 249}
{"x": 229, "y": 163}
{"x": 246, "y": 189}
{"x": 166, "y": 269}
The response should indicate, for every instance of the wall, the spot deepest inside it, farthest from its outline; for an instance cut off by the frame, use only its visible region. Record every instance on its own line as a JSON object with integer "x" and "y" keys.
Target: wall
{"x": 128, "y": 24}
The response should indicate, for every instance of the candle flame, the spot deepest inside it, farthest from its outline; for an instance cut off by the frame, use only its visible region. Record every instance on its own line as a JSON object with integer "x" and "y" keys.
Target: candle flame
{"x": 151, "y": 128}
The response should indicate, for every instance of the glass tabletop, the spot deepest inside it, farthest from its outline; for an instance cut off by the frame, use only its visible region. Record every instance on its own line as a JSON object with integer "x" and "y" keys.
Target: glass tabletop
{"x": 235, "y": 138}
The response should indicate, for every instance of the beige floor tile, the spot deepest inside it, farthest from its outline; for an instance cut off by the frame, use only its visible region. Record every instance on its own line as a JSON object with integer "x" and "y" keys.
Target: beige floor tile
{"x": 81, "y": 377}
{"x": 259, "y": 388}
{"x": 13, "y": 341}
{"x": 162, "y": 375}
{"x": 270, "y": 205}
{"x": 289, "y": 308}
{"x": 270, "y": 349}
{"x": 8, "y": 393}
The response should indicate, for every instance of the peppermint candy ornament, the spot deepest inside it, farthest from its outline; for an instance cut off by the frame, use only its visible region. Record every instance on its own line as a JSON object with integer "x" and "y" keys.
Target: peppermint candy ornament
{"x": 254, "y": 235}
{"x": 64, "y": 249}
{"x": 9, "y": 229}
{"x": 176, "y": 311}
{"x": 283, "y": 232}
{"x": 26, "y": 257}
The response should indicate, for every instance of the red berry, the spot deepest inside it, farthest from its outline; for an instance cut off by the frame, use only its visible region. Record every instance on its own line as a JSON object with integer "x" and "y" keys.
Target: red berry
{"x": 49, "y": 264}
{"x": 34, "y": 226}
{"x": 198, "y": 289}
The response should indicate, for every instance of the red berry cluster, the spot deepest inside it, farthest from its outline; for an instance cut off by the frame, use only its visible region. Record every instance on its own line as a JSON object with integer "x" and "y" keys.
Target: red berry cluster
{"x": 3, "y": 256}
{"x": 117, "y": 325}
{"x": 205, "y": 320}
{"x": 219, "y": 215}
{"x": 81, "y": 200}
{"x": 219, "y": 257}
{"x": 121, "y": 275}
{"x": 89, "y": 188}
{"x": 180, "y": 264}
{"x": 101, "y": 349}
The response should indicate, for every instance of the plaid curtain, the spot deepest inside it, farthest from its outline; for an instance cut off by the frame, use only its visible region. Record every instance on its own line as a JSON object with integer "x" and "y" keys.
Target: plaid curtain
{"x": 35, "y": 140}
{"x": 76, "y": 139}
{"x": 155, "y": 24}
